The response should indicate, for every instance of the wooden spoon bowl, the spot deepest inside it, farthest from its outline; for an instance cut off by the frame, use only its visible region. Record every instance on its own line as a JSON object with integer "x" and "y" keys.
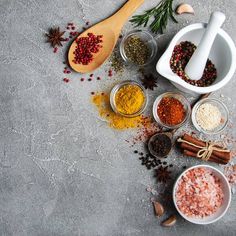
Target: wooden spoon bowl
{"x": 110, "y": 30}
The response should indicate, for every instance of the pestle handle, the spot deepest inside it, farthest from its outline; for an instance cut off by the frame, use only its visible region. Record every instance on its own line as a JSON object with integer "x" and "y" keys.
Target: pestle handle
{"x": 196, "y": 65}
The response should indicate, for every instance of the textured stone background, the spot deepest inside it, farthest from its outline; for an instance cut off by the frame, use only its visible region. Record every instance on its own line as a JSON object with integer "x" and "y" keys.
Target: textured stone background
{"x": 63, "y": 171}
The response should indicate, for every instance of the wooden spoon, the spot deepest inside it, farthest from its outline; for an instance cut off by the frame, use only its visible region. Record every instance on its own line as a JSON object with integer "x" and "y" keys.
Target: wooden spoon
{"x": 110, "y": 29}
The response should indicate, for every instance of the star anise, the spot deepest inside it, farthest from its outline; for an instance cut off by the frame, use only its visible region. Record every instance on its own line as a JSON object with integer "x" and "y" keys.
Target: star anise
{"x": 149, "y": 81}
{"x": 163, "y": 174}
{"x": 55, "y": 37}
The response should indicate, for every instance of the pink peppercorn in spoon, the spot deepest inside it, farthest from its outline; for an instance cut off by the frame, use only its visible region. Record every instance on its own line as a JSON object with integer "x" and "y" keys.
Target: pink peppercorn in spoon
{"x": 91, "y": 48}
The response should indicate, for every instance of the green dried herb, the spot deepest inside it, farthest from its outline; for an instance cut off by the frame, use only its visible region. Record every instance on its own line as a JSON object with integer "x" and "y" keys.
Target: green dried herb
{"x": 136, "y": 50}
{"x": 161, "y": 13}
{"x": 117, "y": 62}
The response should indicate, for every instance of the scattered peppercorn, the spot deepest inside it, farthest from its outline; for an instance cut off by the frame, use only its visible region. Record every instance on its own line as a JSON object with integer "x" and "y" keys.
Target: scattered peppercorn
{"x": 179, "y": 59}
{"x": 66, "y": 80}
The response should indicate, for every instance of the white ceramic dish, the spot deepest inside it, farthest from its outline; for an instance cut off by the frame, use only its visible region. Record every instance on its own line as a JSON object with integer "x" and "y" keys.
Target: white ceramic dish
{"x": 223, "y": 55}
{"x": 226, "y": 201}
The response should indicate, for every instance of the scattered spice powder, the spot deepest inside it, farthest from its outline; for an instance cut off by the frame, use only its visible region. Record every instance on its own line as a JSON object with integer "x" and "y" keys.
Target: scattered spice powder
{"x": 129, "y": 99}
{"x": 117, "y": 62}
{"x": 199, "y": 193}
{"x": 136, "y": 50}
{"x": 179, "y": 59}
{"x": 171, "y": 111}
{"x": 86, "y": 47}
{"x": 102, "y": 102}
{"x": 230, "y": 173}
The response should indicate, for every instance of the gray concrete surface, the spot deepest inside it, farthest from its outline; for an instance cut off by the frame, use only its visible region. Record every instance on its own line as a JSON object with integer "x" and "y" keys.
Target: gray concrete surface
{"x": 63, "y": 171}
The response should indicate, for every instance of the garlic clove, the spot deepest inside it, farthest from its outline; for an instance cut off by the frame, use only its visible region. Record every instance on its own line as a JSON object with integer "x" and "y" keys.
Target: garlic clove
{"x": 159, "y": 209}
{"x": 184, "y": 8}
{"x": 169, "y": 222}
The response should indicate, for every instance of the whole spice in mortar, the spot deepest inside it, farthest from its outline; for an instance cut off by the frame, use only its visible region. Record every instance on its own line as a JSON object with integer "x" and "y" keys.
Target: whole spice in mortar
{"x": 129, "y": 99}
{"x": 136, "y": 50}
{"x": 116, "y": 121}
{"x": 160, "y": 145}
{"x": 179, "y": 59}
{"x": 171, "y": 111}
{"x": 86, "y": 47}
{"x": 199, "y": 193}
{"x": 208, "y": 116}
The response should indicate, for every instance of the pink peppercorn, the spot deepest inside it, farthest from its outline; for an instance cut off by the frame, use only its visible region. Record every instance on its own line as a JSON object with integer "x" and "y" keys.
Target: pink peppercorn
{"x": 86, "y": 47}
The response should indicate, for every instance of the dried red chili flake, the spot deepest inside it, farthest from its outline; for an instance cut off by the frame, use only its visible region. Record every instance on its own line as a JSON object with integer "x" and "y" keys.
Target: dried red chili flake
{"x": 92, "y": 93}
{"x": 68, "y": 27}
{"x": 171, "y": 111}
{"x": 91, "y": 75}
{"x": 66, "y": 80}
{"x": 86, "y": 47}
{"x": 89, "y": 79}
{"x": 73, "y": 28}
{"x": 87, "y": 23}
{"x": 98, "y": 78}
{"x": 55, "y": 49}
{"x": 82, "y": 79}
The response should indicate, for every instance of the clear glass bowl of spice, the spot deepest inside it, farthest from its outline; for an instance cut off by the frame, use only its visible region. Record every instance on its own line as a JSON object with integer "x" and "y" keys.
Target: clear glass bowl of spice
{"x": 138, "y": 47}
{"x": 171, "y": 110}
{"x": 210, "y": 116}
{"x": 128, "y": 98}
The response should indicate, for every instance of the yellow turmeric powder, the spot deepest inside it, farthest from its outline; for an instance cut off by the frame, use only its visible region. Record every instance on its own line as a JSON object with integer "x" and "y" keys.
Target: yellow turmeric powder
{"x": 129, "y": 99}
{"x": 115, "y": 120}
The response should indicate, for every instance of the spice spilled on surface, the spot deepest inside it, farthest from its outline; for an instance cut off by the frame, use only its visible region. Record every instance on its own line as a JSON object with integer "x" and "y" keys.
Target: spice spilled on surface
{"x": 116, "y": 121}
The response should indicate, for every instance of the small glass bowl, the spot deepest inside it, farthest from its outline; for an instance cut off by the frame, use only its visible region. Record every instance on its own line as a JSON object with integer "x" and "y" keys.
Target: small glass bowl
{"x": 145, "y": 37}
{"x": 120, "y": 85}
{"x": 178, "y": 96}
{"x": 223, "y": 110}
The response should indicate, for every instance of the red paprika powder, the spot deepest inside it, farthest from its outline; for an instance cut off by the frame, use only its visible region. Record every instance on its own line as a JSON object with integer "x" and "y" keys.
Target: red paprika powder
{"x": 171, "y": 111}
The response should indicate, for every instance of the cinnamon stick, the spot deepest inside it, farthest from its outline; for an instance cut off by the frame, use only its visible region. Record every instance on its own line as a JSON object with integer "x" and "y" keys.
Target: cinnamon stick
{"x": 188, "y": 147}
{"x": 212, "y": 158}
{"x": 223, "y": 155}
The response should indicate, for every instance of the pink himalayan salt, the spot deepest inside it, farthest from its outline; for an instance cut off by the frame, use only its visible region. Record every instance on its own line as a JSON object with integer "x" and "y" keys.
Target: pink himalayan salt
{"x": 199, "y": 193}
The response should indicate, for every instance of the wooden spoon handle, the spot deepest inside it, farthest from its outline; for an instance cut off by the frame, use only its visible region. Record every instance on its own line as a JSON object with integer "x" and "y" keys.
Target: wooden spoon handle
{"x": 121, "y": 16}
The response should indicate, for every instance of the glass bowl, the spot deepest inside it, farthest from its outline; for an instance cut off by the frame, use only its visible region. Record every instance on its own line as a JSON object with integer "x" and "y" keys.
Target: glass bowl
{"x": 120, "y": 85}
{"x": 145, "y": 37}
{"x": 178, "y": 96}
{"x": 224, "y": 115}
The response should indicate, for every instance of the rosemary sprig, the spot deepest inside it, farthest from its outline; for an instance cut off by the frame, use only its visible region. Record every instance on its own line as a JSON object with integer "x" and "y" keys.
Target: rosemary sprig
{"x": 161, "y": 13}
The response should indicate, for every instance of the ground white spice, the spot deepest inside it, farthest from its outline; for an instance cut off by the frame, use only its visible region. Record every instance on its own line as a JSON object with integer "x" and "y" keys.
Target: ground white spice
{"x": 208, "y": 116}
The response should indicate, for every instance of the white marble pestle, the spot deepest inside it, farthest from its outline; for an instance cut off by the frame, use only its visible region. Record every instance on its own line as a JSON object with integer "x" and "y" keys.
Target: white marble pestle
{"x": 196, "y": 65}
